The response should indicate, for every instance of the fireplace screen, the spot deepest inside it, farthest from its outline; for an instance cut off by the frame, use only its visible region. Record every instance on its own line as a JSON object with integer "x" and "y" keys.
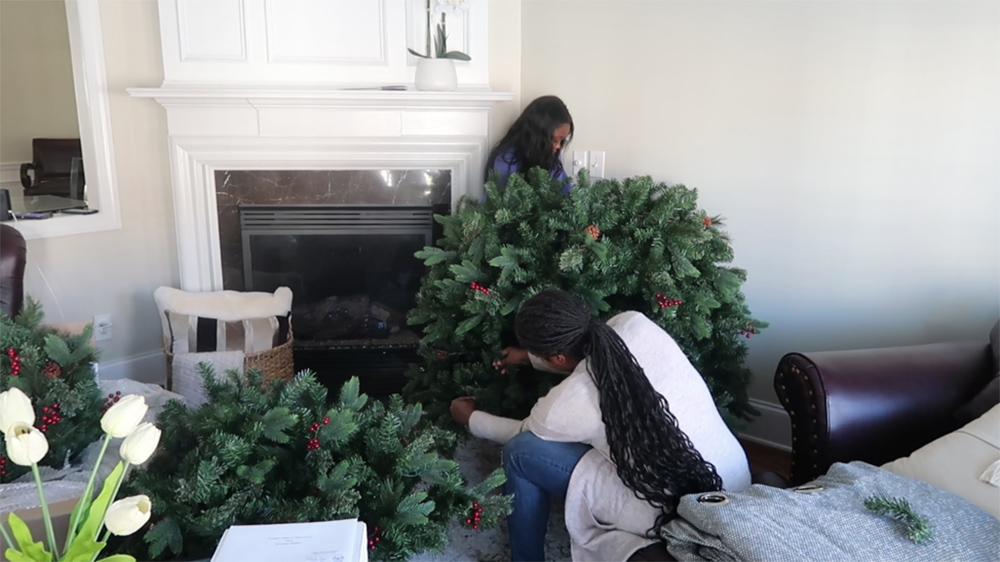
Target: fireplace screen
{"x": 351, "y": 269}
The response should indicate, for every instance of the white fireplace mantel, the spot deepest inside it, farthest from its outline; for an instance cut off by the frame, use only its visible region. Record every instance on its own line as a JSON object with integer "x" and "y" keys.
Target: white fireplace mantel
{"x": 212, "y": 129}
{"x": 328, "y": 96}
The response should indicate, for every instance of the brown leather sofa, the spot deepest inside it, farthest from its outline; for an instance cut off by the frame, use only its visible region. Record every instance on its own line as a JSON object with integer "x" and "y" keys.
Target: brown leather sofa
{"x": 13, "y": 258}
{"x": 876, "y": 405}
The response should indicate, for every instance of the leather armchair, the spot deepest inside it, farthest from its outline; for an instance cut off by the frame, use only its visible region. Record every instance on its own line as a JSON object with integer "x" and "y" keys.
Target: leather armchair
{"x": 875, "y": 405}
{"x": 52, "y": 161}
{"x": 13, "y": 258}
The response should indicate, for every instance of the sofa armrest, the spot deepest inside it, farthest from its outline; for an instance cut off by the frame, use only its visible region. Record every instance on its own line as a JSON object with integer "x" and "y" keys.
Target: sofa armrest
{"x": 875, "y": 405}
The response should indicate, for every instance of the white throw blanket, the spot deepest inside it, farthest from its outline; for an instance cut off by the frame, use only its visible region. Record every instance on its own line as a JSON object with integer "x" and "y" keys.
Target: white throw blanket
{"x": 604, "y": 519}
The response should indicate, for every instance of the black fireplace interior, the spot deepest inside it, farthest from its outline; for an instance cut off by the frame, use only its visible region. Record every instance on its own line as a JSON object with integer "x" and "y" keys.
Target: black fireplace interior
{"x": 354, "y": 277}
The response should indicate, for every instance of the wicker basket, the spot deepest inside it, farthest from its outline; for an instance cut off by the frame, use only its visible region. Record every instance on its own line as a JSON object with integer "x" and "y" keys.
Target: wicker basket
{"x": 277, "y": 363}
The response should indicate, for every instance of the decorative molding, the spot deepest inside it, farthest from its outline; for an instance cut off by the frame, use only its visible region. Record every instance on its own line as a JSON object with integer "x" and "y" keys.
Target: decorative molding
{"x": 772, "y": 428}
{"x": 196, "y": 159}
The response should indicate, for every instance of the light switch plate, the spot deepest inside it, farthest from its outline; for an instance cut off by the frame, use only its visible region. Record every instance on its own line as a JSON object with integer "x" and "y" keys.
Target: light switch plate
{"x": 579, "y": 162}
{"x": 595, "y": 159}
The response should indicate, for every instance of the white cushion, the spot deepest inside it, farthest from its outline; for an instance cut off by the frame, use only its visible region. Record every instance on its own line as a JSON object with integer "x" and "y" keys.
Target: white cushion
{"x": 955, "y": 462}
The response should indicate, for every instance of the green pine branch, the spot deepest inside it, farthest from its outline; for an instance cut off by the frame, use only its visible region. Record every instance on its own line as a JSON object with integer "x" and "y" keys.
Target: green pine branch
{"x": 918, "y": 527}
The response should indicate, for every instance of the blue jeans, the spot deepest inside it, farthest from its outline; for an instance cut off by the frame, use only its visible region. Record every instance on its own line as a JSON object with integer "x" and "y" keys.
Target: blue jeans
{"x": 537, "y": 470}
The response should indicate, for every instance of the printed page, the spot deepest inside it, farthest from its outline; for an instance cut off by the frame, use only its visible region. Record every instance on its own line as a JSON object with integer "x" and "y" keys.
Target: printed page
{"x": 322, "y": 541}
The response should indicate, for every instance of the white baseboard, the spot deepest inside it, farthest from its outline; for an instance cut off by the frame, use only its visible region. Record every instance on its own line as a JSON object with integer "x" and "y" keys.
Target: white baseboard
{"x": 772, "y": 428}
{"x": 148, "y": 367}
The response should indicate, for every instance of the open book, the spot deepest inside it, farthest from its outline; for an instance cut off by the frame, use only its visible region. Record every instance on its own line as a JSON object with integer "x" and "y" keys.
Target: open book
{"x": 345, "y": 540}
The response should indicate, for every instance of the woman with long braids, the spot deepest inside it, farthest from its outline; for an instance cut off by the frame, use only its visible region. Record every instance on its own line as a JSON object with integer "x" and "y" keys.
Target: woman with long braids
{"x": 630, "y": 430}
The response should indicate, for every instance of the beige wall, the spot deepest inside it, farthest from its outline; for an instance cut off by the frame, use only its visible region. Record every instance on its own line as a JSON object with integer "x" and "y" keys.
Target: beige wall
{"x": 36, "y": 77}
{"x": 116, "y": 272}
{"x": 505, "y": 62}
{"x": 853, "y": 146}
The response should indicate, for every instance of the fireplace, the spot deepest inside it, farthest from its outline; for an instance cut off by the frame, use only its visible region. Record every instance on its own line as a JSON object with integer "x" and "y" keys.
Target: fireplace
{"x": 352, "y": 270}
{"x": 266, "y": 142}
{"x": 349, "y": 263}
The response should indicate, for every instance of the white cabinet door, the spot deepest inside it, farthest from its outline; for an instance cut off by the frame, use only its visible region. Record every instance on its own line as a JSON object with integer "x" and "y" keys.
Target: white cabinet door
{"x": 312, "y": 42}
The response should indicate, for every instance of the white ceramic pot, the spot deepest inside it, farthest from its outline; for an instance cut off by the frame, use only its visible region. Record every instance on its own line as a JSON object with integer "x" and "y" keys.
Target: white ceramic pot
{"x": 436, "y": 75}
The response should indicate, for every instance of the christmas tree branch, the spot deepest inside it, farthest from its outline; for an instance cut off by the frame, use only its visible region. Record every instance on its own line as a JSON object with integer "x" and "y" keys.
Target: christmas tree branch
{"x": 917, "y": 526}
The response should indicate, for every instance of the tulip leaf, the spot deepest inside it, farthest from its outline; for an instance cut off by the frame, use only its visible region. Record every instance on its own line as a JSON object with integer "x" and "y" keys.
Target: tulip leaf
{"x": 83, "y": 544}
{"x": 118, "y": 558}
{"x": 416, "y": 54}
{"x": 30, "y": 549}
{"x": 83, "y": 550}
{"x": 18, "y": 556}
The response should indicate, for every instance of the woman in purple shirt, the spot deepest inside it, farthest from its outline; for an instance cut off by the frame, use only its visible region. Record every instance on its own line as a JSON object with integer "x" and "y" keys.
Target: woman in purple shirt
{"x": 535, "y": 139}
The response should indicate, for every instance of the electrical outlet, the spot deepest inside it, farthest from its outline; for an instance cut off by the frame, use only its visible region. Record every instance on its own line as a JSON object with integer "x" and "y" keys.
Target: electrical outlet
{"x": 595, "y": 159}
{"x": 102, "y": 327}
{"x": 579, "y": 162}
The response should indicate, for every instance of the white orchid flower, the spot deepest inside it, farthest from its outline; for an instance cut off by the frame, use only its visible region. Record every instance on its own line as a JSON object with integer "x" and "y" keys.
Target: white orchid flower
{"x": 451, "y": 7}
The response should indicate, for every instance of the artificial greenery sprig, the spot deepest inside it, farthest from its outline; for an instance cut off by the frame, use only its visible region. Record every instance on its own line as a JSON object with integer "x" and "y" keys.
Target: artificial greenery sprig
{"x": 918, "y": 528}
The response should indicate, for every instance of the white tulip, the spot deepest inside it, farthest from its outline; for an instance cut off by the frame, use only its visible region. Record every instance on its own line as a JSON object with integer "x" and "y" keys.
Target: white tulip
{"x": 15, "y": 407}
{"x": 122, "y": 418}
{"x": 140, "y": 444}
{"x": 128, "y": 515}
{"x": 25, "y": 444}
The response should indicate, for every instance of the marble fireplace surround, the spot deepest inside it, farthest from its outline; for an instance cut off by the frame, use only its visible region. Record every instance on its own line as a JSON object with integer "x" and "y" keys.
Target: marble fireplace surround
{"x": 221, "y": 129}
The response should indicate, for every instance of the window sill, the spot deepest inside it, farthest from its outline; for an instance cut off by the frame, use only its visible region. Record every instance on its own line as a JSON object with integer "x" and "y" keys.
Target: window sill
{"x": 66, "y": 225}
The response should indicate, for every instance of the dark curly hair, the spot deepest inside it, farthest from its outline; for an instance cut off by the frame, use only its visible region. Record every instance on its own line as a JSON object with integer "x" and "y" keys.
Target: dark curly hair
{"x": 530, "y": 136}
{"x": 652, "y": 455}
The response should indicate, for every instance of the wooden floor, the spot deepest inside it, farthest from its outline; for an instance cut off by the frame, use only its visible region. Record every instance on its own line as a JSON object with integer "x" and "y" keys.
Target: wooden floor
{"x": 763, "y": 458}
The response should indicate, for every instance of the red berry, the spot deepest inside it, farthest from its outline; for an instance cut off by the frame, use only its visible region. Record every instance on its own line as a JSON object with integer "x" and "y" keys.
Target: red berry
{"x": 377, "y": 539}
{"x": 326, "y": 420}
{"x": 468, "y": 521}
{"x": 475, "y": 504}
{"x": 476, "y": 527}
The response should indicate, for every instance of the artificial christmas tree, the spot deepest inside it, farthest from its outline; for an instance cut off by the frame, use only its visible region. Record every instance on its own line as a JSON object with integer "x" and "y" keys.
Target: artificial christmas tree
{"x": 619, "y": 245}
{"x": 257, "y": 454}
{"x": 56, "y": 371}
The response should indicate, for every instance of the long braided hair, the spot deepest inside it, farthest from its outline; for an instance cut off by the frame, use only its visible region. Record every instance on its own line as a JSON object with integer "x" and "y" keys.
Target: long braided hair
{"x": 652, "y": 455}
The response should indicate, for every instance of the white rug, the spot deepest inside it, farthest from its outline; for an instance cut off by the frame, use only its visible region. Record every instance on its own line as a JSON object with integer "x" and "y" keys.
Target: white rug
{"x": 477, "y": 458}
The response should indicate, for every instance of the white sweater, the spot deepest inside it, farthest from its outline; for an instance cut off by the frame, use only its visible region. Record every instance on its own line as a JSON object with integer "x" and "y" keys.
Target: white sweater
{"x": 604, "y": 518}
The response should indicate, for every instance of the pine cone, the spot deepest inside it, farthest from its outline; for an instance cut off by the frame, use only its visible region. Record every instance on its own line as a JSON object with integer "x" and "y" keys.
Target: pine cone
{"x": 707, "y": 222}
{"x": 594, "y": 232}
{"x": 52, "y": 370}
